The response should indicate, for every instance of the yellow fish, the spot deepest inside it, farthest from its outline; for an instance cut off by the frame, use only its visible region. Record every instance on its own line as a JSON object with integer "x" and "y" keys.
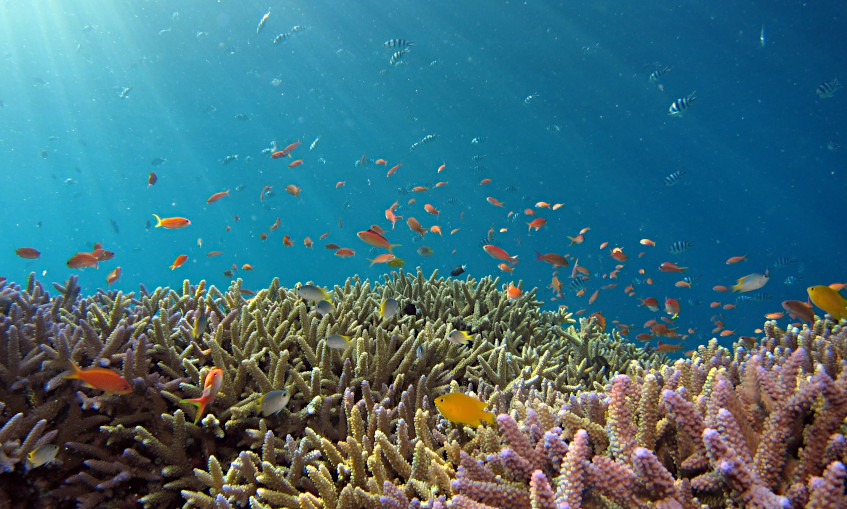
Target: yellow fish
{"x": 463, "y": 409}
{"x": 829, "y": 300}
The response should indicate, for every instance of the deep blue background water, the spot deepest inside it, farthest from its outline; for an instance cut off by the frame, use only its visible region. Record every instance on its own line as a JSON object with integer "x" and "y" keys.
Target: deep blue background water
{"x": 759, "y": 178}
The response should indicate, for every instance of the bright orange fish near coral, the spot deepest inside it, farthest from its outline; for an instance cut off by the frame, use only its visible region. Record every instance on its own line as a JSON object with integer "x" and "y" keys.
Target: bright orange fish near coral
{"x": 104, "y": 379}
{"x": 463, "y": 409}
{"x": 211, "y": 385}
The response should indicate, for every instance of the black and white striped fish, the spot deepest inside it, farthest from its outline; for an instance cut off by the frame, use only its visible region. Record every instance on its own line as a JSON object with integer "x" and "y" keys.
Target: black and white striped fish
{"x": 827, "y": 89}
{"x": 426, "y": 139}
{"x": 679, "y": 106}
{"x": 658, "y": 73}
{"x": 784, "y": 261}
{"x": 398, "y": 43}
{"x": 680, "y": 246}
{"x": 397, "y": 57}
{"x": 674, "y": 177}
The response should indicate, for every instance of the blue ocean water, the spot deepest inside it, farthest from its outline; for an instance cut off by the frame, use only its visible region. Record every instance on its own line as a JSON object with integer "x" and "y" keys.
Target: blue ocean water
{"x": 557, "y": 96}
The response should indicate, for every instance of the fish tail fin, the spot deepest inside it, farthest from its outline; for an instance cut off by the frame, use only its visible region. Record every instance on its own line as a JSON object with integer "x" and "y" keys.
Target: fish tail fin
{"x": 573, "y": 240}
{"x": 200, "y": 403}
{"x": 76, "y": 373}
{"x": 489, "y": 418}
{"x": 392, "y": 246}
{"x": 538, "y": 256}
{"x": 158, "y": 220}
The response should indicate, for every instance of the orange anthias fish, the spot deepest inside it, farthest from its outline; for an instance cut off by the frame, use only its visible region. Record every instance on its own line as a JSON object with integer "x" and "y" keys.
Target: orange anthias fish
{"x": 579, "y": 239}
{"x": 217, "y": 196}
{"x": 500, "y": 254}
{"x": 113, "y": 276}
{"x": 393, "y": 170}
{"x": 101, "y": 378}
{"x": 179, "y": 261}
{"x": 618, "y": 254}
{"x": 28, "y": 253}
{"x": 293, "y": 190}
{"x": 463, "y": 409}
{"x": 513, "y": 292}
{"x": 373, "y": 238}
{"x": 383, "y": 258}
{"x": 736, "y": 259}
{"x": 345, "y": 252}
{"x": 672, "y": 307}
{"x": 536, "y": 223}
{"x": 671, "y": 267}
{"x": 296, "y": 163}
{"x": 416, "y": 227}
{"x": 556, "y": 260}
{"x": 494, "y": 201}
{"x": 83, "y": 259}
{"x": 389, "y": 214}
{"x": 171, "y": 222}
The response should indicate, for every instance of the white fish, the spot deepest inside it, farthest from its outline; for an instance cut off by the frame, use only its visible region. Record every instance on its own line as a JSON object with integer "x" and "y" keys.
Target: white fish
{"x": 42, "y": 455}
{"x": 312, "y": 146}
{"x": 388, "y": 308}
{"x": 324, "y": 307}
{"x": 751, "y": 282}
{"x": 263, "y": 21}
{"x": 273, "y": 402}
{"x": 312, "y": 292}
{"x": 459, "y": 337}
{"x": 338, "y": 342}
{"x": 762, "y": 36}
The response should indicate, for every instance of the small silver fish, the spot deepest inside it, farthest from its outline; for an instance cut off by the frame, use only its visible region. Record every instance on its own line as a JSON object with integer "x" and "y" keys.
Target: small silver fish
{"x": 42, "y": 455}
{"x": 273, "y": 402}
{"x": 338, "y": 342}
{"x": 324, "y": 307}
{"x": 459, "y": 337}
{"x": 312, "y": 292}
{"x": 312, "y": 146}
{"x": 263, "y": 21}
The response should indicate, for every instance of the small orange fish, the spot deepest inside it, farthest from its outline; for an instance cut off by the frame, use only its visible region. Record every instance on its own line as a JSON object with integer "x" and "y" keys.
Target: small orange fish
{"x": 603, "y": 245}
{"x": 682, "y": 284}
{"x": 720, "y": 288}
{"x": 81, "y": 260}
{"x": 308, "y": 242}
{"x": 416, "y": 227}
{"x": 263, "y": 236}
{"x": 647, "y": 242}
{"x": 494, "y": 201}
{"x": 286, "y": 240}
{"x": 201, "y": 403}
{"x": 774, "y": 316}
{"x": 295, "y": 163}
{"x": 432, "y": 210}
{"x": 28, "y": 253}
{"x": 389, "y": 214}
{"x": 217, "y": 196}
{"x": 727, "y": 332}
{"x": 736, "y": 259}
{"x": 441, "y": 168}
{"x": 579, "y": 239}
{"x": 505, "y": 267}
{"x": 618, "y": 254}
{"x": 542, "y": 205}
{"x": 179, "y": 261}
{"x": 375, "y": 239}
{"x": 287, "y": 150}
{"x": 440, "y": 184}
{"x": 463, "y": 409}
{"x": 113, "y": 276}
{"x": 323, "y": 236}
{"x": 500, "y": 254}
{"x": 671, "y": 267}
{"x": 664, "y": 347}
{"x": 381, "y": 162}
{"x": 715, "y": 304}
{"x": 340, "y": 183}
{"x": 435, "y": 229}
{"x": 332, "y": 245}
{"x": 210, "y": 254}
{"x": 484, "y": 182}
{"x": 265, "y": 190}
{"x": 246, "y": 266}
{"x": 293, "y": 190}
{"x": 593, "y": 296}
{"x": 729, "y": 306}
{"x": 513, "y": 292}
{"x": 393, "y": 170}
{"x": 345, "y": 252}
{"x": 420, "y": 189}
{"x": 557, "y": 206}
{"x": 454, "y": 231}
{"x": 104, "y": 379}
{"x": 383, "y": 258}
{"x": 277, "y": 154}
{"x": 171, "y": 222}
{"x": 152, "y": 178}
{"x": 536, "y": 223}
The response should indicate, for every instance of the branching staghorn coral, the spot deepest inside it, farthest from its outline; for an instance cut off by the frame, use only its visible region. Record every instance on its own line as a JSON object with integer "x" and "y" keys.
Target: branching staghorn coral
{"x": 357, "y": 419}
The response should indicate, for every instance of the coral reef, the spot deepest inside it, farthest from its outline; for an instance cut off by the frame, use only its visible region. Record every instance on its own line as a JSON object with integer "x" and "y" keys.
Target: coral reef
{"x": 584, "y": 419}
{"x": 357, "y": 419}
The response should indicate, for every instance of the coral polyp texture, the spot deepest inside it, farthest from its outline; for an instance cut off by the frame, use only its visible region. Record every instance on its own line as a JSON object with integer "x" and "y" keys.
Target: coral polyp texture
{"x": 583, "y": 418}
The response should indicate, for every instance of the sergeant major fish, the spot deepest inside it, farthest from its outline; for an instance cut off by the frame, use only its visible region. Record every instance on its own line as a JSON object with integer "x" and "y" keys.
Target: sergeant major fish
{"x": 263, "y": 21}
{"x": 674, "y": 178}
{"x": 678, "y": 107}
{"x": 827, "y": 89}
{"x": 658, "y": 73}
